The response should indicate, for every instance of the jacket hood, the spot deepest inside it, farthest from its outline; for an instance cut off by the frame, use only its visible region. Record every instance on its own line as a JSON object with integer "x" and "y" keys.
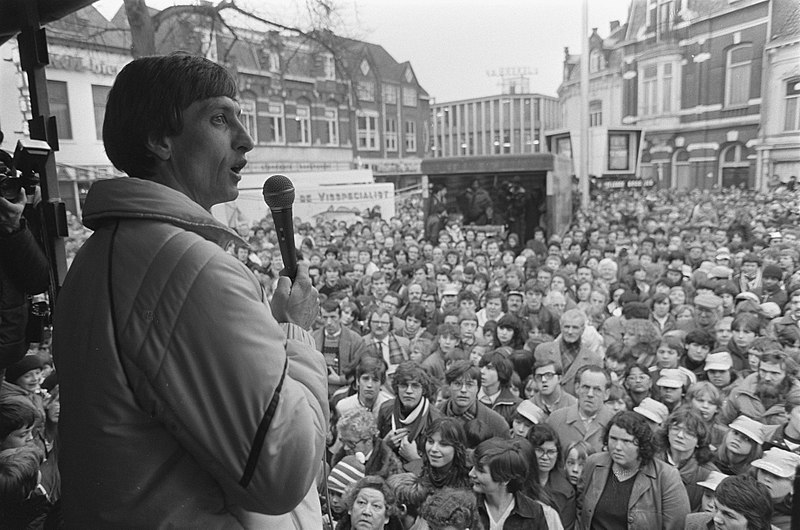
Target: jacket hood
{"x": 135, "y": 198}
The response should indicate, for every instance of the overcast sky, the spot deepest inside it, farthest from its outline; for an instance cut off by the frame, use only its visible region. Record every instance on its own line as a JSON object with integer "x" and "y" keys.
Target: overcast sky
{"x": 453, "y": 44}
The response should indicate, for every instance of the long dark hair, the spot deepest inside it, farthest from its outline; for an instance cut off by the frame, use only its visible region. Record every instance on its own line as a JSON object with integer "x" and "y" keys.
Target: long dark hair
{"x": 456, "y": 474}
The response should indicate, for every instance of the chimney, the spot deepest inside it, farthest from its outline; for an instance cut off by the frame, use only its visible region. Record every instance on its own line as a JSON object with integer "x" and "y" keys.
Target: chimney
{"x": 614, "y": 25}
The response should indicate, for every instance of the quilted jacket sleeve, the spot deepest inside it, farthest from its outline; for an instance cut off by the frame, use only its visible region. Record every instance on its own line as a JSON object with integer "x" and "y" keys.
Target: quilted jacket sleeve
{"x": 212, "y": 364}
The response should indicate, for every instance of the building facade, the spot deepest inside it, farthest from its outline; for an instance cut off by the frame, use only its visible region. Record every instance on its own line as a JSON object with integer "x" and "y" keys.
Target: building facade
{"x": 507, "y": 124}
{"x": 312, "y": 103}
{"x": 707, "y": 87}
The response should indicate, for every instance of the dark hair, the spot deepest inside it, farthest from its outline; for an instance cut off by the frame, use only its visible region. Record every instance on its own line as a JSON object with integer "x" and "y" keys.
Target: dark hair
{"x": 637, "y": 427}
{"x": 408, "y": 371}
{"x": 416, "y": 311}
{"x": 330, "y": 305}
{"x": 19, "y": 473}
{"x": 147, "y": 102}
{"x": 451, "y": 432}
{"x": 460, "y": 369}
{"x": 555, "y": 363}
{"x": 541, "y": 433}
{"x": 701, "y": 337}
{"x": 369, "y": 364}
{"x": 745, "y": 495}
{"x": 477, "y": 431}
{"x": 505, "y": 460}
{"x": 496, "y": 359}
{"x": 15, "y": 414}
{"x": 516, "y": 324}
{"x": 746, "y": 322}
{"x": 695, "y": 423}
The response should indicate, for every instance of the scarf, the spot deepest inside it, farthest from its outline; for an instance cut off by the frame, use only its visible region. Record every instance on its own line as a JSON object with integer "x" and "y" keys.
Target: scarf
{"x": 467, "y": 415}
{"x": 750, "y": 285}
{"x": 448, "y": 476}
{"x": 415, "y": 421}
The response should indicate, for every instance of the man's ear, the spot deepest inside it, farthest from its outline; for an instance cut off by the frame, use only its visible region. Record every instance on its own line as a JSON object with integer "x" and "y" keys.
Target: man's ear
{"x": 161, "y": 147}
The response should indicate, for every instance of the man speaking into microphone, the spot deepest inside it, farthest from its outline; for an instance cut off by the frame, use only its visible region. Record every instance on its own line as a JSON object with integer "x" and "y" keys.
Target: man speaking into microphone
{"x": 187, "y": 400}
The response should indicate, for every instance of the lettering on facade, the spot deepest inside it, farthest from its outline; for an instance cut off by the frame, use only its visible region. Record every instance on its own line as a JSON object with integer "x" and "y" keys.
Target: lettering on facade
{"x": 324, "y": 196}
{"x": 80, "y": 64}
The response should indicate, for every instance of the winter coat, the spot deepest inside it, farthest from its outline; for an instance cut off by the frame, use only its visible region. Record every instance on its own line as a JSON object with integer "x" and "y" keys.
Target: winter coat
{"x": 743, "y": 400}
{"x": 183, "y": 401}
{"x": 658, "y": 500}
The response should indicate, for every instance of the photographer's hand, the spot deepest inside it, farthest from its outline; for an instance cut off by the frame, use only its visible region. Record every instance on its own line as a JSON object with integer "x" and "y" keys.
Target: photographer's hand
{"x": 11, "y": 212}
{"x": 296, "y": 302}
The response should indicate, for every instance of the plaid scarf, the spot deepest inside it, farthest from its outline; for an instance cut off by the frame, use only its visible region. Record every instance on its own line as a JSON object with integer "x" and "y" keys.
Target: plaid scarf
{"x": 467, "y": 415}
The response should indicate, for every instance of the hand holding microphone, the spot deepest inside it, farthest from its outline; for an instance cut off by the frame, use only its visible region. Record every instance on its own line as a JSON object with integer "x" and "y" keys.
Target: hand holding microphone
{"x": 295, "y": 299}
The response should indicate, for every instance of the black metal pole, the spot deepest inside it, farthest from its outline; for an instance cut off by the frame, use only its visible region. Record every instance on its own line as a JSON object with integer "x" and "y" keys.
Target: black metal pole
{"x": 53, "y": 220}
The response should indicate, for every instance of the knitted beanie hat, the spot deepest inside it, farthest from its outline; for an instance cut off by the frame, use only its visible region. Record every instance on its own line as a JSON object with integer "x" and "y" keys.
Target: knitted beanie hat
{"x": 345, "y": 473}
{"x": 23, "y": 366}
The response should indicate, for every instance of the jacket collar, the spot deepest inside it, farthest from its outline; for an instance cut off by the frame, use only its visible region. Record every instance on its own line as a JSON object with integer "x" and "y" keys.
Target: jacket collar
{"x": 135, "y": 198}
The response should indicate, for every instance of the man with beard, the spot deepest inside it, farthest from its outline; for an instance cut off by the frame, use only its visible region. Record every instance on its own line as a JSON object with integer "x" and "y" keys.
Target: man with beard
{"x": 402, "y": 421}
{"x": 788, "y": 326}
{"x": 464, "y": 380}
{"x": 341, "y": 346}
{"x": 762, "y": 395}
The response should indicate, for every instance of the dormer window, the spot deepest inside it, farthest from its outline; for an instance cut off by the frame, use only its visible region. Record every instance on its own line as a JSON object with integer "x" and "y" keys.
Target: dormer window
{"x": 596, "y": 61}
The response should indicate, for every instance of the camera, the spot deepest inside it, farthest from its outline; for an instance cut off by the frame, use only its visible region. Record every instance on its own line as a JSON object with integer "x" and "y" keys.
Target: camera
{"x": 29, "y": 159}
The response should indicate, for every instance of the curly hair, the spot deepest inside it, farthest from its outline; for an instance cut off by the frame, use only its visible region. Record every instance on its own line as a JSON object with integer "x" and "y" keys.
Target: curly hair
{"x": 646, "y": 332}
{"x": 451, "y": 508}
{"x": 694, "y": 424}
{"x": 357, "y": 424}
{"x": 408, "y": 371}
{"x": 636, "y": 426}
{"x": 372, "y": 482}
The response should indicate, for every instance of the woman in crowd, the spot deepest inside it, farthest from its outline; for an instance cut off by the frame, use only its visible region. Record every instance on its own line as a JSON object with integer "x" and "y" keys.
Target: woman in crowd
{"x": 684, "y": 315}
{"x": 626, "y": 487}
{"x": 444, "y": 457}
{"x": 684, "y": 442}
{"x": 745, "y": 328}
{"x": 740, "y": 446}
{"x": 498, "y": 475}
{"x": 550, "y": 474}
{"x": 707, "y": 400}
{"x": 510, "y": 334}
{"x": 371, "y": 505}
{"x": 358, "y": 436}
{"x": 638, "y": 382}
{"x": 640, "y": 338}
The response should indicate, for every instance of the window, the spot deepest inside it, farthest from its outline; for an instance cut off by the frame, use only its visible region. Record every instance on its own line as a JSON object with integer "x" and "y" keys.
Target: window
{"x": 618, "y": 152}
{"x": 303, "y": 119}
{"x": 564, "y": 146}
{"x": 666, "y": 88}
{"x": 270, "y": 123}
{"x": 99, "y": 98}
{"x": 737, "y": 76}
{"x": 367, "y": 131}
{"x": 390, "y": 136}
{"x": 649, "y": 90}
{"x": 366, "y": 90}
{"x": 390, "y": 94}
{"x": 331, "y": 126}
{"x": 792, "y": 122}
{"x": 328, "y": 67}
{"x": 248, "y": 116}
{"x": 595, "y": 113}
{"x": 59, "y": 107}
{"x": 411, "y": 136}
{"x": 658, "y": 92}
{"x": 595, "y": 61}
{"x": 409, "y": 97}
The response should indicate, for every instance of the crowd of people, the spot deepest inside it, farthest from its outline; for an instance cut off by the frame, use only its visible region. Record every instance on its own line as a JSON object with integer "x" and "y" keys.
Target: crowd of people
{"x": 638, "y": 371}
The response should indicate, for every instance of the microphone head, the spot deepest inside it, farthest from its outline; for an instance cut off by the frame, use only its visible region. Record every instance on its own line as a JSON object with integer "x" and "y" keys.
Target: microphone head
{"x": 278, "y": 192}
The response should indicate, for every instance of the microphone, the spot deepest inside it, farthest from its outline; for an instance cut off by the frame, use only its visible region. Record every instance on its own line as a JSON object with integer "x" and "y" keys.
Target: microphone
{"x": 279, "y": 196}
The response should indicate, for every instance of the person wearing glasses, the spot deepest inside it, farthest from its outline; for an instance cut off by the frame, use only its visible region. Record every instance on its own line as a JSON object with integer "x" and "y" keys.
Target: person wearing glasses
{"x": 684, "y": 442}
{"x": 464, "y": 381}
{"x": 383, "y": 341}
{"x": 625, "y": 487}
{"x": 550, "y": 396}
{"x": 551, "y": 476}
{"x": 586, "y": 419}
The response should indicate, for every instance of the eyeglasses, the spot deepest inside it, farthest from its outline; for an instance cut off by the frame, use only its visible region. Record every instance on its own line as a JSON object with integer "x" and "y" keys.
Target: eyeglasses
{"x": 675, "y": 429}
{"x": 545, "y": 376}
{"x": 351, "y": 444}
{"x": 549, "y": 453}
{"x": 461, "y": 383}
